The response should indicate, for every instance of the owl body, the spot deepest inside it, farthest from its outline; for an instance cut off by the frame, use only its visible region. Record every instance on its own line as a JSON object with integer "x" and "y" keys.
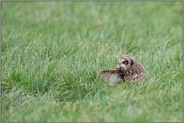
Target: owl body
{"x": 128, "y": 69}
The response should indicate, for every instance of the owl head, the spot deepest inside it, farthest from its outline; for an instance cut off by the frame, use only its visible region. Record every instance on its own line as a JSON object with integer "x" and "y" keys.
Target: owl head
{"x": 125, "y": 62}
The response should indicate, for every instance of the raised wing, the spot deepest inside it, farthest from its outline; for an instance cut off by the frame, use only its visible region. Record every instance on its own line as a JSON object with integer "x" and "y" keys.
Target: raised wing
{"x": 111, "y": 75}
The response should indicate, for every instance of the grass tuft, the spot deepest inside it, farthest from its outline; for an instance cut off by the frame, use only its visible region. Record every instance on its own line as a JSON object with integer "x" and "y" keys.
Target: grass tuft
{"x": 52, "y": 53}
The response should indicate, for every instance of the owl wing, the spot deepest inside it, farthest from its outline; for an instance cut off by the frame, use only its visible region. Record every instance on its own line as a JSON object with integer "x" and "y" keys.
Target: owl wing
{"x": 139, "y": 73}
{"x": 136, "y": 77}
{"x": 112, "y": 75}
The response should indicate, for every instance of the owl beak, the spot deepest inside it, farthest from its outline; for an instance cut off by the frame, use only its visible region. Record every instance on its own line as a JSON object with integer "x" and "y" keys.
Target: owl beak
{"x": 123, "y": 68}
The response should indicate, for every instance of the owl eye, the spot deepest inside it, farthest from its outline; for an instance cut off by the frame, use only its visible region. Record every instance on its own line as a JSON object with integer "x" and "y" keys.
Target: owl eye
{"x": 125, "y": 62}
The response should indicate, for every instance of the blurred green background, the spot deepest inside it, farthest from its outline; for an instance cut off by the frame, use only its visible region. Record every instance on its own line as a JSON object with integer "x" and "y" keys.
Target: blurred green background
{"x": 52, "y": 52}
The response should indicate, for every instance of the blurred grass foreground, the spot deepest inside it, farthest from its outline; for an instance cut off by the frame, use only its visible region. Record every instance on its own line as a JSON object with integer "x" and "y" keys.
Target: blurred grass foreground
{"x": 52, "y": 52}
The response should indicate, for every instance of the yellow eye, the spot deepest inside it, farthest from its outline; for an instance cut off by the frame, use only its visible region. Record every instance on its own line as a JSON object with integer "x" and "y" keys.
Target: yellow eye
{"x": 125, "y": 62}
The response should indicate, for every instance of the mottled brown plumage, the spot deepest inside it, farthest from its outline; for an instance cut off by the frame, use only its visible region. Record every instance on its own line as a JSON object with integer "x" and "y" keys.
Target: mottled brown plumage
{"x": 128, "y": 69}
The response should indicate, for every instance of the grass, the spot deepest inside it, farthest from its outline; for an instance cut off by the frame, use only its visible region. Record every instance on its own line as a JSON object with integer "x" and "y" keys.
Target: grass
{"x": 52, "y": 52}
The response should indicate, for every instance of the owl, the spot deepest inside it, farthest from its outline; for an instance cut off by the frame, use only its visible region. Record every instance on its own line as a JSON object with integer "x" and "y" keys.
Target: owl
{"x": 128, "y": 69}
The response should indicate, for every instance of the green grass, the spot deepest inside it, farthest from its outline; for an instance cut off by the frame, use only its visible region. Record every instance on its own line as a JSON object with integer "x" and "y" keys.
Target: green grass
{"x": 52, "y": 52}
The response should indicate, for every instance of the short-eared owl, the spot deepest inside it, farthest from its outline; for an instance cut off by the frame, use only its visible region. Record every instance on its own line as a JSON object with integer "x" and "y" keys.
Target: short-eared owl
{"x": 128, "y": 69}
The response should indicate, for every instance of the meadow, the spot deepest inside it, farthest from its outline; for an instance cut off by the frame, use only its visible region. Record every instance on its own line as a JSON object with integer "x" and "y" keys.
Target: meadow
{"x": 52, "y": 53}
